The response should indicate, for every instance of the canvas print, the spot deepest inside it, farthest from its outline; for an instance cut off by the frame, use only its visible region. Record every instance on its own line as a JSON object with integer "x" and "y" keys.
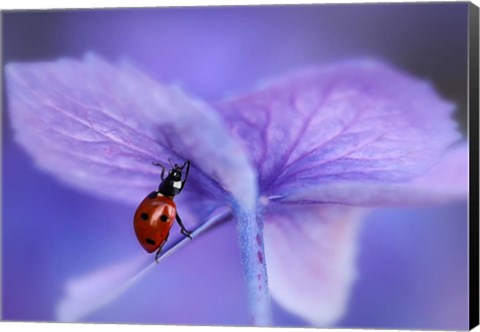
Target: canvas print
{"x": 302, "y": 165}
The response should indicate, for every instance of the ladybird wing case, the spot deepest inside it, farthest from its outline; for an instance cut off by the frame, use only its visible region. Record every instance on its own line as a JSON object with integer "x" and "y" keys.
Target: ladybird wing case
{"x": 153, "y": 219}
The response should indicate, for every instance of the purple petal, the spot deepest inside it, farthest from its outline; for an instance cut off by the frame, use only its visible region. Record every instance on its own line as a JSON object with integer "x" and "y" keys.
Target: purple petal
{"x": 99, "y": 126}
{"x": 356, "y": 122}
{"x": 310, "y": 253}
{"x": 446, "y": 181}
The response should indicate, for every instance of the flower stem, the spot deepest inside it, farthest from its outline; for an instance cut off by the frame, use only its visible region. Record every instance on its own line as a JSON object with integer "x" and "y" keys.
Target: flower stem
{"x": 250, "y": 228}
{"x": 208, "y": 225}
{"x": 76, "y": 305}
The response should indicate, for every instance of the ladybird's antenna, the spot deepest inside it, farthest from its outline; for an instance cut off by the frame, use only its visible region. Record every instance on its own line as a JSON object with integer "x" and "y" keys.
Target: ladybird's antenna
{"x": 170, "y": 162}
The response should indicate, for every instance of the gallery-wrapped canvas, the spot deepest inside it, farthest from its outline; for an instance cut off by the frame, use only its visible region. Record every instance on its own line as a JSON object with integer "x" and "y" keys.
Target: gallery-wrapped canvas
{"x": 293, "y": 165}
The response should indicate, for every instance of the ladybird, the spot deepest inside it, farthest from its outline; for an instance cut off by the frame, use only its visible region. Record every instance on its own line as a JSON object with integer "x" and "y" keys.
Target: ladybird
{"x": 157, "y": 212}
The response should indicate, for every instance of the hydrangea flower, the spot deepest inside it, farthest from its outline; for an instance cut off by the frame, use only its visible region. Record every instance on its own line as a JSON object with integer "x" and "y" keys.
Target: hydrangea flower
{"x": 296, "y": 163}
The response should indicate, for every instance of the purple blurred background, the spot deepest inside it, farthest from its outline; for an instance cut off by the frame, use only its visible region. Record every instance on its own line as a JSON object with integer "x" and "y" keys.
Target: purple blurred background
{"x": 412, "y": 262}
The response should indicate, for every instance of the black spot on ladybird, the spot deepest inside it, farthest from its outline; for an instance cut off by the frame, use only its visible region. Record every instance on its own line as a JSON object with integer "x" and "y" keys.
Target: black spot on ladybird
{"x": 163, "y": 218}
{"x": 144, "y": 216}
{"x": 152, "y": 195}
{"x": 150, "y": 241}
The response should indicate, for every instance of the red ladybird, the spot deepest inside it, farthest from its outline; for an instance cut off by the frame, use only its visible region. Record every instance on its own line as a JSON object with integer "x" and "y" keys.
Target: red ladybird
{"x": 156, "y": 213}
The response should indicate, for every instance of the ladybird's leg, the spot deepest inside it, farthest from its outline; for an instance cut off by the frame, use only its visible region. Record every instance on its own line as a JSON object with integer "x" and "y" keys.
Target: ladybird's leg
{"x": 162, "y": 176}
{"x": 157, "y": 255}
{"x": 184, "y": 231}
{"x": 187, "y": 163}
{"x": 159, "y": 251}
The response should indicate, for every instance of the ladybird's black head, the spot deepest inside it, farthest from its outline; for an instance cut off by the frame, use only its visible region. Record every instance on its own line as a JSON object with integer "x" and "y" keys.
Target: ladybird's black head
{"x": 176, "y": 173}
{"x": 172, "y": 184}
